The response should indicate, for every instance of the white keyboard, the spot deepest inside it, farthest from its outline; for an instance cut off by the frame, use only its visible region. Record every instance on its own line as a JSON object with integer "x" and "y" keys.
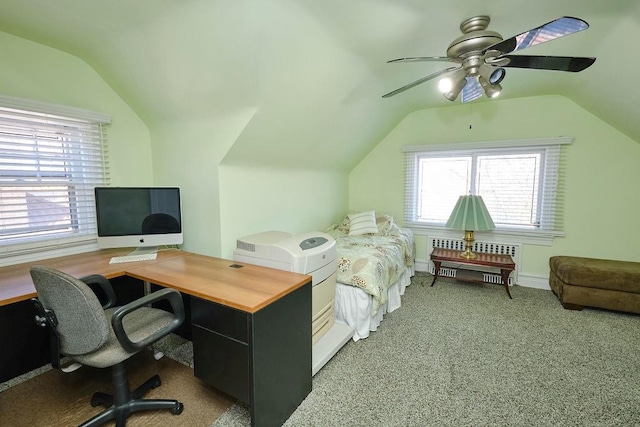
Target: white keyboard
{"x": 133, "y": 258}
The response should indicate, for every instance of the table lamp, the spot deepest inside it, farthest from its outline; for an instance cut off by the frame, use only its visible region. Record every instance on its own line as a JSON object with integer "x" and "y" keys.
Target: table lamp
{"x": 470, "y": 214}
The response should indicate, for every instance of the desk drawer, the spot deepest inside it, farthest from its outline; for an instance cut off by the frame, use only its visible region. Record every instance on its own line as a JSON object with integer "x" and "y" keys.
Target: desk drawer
{"x": 222, "y": 363}
{"x": 224, "y": 320}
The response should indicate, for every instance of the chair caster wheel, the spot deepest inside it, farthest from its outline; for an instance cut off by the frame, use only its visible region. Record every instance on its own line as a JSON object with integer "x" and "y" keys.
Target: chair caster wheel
{"x": 97, "y": 401}
{"x": 177, "y": 410}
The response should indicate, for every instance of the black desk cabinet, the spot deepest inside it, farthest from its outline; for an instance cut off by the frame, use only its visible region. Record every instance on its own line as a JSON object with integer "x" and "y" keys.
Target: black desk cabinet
{"x": 25, "y": 345}
{"x": 262, "y": 359}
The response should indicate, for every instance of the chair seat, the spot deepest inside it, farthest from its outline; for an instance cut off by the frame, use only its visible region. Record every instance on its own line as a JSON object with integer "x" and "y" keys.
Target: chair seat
{"x": 138, "y": 325}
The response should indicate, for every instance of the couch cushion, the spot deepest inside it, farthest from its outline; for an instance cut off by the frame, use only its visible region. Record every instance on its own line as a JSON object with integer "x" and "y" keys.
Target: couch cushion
{"x": 597, "y": 273}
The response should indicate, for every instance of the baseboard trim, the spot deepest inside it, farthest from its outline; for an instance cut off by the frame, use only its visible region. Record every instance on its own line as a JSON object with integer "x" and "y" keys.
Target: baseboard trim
{"x": 528, "y": 280}
{"x": 422, "y": 265}
{"x": 533, "y": 281}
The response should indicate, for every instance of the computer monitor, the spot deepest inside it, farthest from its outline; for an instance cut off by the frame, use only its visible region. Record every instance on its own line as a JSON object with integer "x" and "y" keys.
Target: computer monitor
{"x": 141, "y": 217}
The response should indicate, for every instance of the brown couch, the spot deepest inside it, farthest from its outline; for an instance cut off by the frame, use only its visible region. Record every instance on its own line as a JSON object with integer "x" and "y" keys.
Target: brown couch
{"x": 580, "y": 282}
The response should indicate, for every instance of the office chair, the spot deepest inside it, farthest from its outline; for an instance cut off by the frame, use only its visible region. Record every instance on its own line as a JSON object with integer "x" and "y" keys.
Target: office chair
{"x": 104, "y": 336}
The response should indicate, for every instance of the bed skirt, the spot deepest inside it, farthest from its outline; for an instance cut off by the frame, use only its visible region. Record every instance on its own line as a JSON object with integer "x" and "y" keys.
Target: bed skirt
{"x": 354, "y": 307}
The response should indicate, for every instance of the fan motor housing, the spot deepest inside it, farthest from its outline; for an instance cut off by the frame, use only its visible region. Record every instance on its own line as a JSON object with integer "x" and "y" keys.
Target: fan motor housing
{"x": 472, "y": 42}
{"x": 475, "y": 37}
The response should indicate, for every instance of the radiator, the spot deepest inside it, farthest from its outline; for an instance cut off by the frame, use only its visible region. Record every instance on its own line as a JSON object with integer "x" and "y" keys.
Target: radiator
{"x": 480, "y": 247}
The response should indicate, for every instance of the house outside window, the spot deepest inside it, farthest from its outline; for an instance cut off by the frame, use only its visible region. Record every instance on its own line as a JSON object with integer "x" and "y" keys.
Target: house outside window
{"x": 521, "y": 183}
{"x": 51, "y": 158}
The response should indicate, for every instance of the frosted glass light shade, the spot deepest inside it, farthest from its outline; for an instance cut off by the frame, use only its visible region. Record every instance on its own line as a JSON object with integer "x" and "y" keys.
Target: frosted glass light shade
{"x": 470, "y": 213}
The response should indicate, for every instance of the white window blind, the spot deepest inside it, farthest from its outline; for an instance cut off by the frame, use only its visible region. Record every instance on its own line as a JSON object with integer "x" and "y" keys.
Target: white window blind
{"x": 51, "y": 158}
{"x": 521, "y": 182}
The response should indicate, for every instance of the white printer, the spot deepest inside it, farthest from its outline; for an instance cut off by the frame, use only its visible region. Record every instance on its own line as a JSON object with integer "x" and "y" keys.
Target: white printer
{"x": 312, "y": 253}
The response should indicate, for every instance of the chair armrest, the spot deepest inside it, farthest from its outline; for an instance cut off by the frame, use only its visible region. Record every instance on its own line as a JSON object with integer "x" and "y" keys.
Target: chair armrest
{"x": 103, "y": 282}
{"x": 171, "y": 295}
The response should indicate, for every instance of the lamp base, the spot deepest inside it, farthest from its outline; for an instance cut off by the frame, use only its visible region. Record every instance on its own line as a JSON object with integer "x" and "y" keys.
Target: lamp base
{"x": 468, "y": 239}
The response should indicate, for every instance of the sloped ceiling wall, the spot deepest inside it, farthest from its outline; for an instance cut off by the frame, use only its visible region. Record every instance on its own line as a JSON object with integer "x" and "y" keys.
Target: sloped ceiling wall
{"x": 314, "y": 71}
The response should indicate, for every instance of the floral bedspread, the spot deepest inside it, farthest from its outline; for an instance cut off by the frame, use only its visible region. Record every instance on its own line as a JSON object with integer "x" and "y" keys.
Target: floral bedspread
{"x": 373, "y": 262}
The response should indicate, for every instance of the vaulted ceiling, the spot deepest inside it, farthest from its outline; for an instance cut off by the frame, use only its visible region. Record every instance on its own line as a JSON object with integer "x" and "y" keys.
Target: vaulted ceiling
{"x": 313, "y": 72}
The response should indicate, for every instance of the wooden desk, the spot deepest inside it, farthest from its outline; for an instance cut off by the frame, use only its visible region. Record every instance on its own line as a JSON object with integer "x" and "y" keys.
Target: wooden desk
{"x": 503, "y": 262}
{"x": 251, "y": 325}
{"x": 16, "y": 284}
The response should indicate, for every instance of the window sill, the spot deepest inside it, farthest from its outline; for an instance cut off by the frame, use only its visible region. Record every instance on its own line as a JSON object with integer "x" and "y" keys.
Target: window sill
{"x": 30, "y": 253}
{"x": 539, "y": 238}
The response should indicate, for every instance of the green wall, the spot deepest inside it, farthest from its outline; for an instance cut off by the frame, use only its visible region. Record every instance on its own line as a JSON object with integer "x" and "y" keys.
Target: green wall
{"x": 187, "y": 153}
{"x": 254, "y": 200}
{"x": 601, "y": 210}
{"x": 33, "y": 71}
{"x": 222, "y": 202}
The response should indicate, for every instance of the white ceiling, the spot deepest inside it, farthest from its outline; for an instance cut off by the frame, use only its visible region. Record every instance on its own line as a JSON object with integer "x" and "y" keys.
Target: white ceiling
{"x": 313, "y": 72}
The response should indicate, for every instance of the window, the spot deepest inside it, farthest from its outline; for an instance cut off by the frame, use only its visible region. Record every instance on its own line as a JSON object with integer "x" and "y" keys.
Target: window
{"x": 519, "y": 181}
{"x": 51, "y": 158}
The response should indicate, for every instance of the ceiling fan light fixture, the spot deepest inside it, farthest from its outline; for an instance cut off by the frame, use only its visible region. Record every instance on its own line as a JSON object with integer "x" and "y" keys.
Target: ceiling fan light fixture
{"x": 449, "y": 83}
{"x": 491, "y": 90}
{"x": 494, "y": 92}
{"x": 497, "y": 76}
{"x": 445, "y": 84}
{"x": 492, "y": 74}
{"x": 452, "y": 94}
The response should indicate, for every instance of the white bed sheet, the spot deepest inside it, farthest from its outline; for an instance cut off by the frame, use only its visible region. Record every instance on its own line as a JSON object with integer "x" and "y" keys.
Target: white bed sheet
{"x": 355, "y": 307}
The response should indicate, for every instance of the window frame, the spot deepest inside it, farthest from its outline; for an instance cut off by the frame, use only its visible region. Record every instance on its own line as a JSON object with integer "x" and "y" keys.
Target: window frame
{"x": 72, "y": 132}
{"x": 542, "y": 236}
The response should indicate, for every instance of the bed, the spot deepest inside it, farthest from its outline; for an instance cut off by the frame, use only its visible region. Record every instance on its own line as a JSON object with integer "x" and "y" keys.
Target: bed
{"x": 375, "y": 265}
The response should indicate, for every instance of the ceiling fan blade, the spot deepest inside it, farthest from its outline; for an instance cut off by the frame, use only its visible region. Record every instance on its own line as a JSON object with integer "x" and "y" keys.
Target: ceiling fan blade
{"x": 419, "y": 81}
{"x": 550, "y": 31}
{"x": 559, "y": 63}
{"x": 472, "y": 90}
{"x": 423, "y": 59}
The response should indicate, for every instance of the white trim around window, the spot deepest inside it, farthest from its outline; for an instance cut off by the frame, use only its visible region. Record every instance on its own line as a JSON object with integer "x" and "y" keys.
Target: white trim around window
{"x": 506, "y": 143}
{"x": 527, "y": 207}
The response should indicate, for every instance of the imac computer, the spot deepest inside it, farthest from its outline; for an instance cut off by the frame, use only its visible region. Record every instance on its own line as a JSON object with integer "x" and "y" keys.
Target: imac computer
{"x": 139, "y": 217}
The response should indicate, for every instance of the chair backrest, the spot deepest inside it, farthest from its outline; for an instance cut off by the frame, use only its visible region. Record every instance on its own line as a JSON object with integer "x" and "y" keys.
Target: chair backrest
{"x": 159, "y": 223}
{"x": 82, "y": 324}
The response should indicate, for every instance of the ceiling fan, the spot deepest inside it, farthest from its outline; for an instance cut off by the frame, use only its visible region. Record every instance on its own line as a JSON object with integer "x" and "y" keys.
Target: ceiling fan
{"x": 482, "y": 55}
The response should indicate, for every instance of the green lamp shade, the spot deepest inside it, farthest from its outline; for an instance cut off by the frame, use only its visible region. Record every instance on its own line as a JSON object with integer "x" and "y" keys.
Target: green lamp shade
{"x": 470, "y": 213}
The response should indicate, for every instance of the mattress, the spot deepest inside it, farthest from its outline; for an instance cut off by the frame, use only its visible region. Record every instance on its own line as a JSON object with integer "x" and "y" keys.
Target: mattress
{"x": 355, "y": 307}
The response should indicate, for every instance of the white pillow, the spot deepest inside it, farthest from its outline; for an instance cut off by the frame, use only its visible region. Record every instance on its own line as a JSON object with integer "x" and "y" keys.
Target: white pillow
{"x": 362, "y": 223}
{"x": 384, "y": 223}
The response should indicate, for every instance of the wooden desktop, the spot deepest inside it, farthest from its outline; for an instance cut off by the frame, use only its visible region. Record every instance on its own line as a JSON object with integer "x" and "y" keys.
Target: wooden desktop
{"x": 251, "y": 325}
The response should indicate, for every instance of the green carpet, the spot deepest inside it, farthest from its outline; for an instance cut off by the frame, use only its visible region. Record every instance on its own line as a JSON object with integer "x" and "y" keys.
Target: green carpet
{"x": 459, "y": 354}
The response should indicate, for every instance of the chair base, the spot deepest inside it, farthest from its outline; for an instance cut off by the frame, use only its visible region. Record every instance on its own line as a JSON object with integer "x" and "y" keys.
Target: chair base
{"x": 124, "y": 402}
